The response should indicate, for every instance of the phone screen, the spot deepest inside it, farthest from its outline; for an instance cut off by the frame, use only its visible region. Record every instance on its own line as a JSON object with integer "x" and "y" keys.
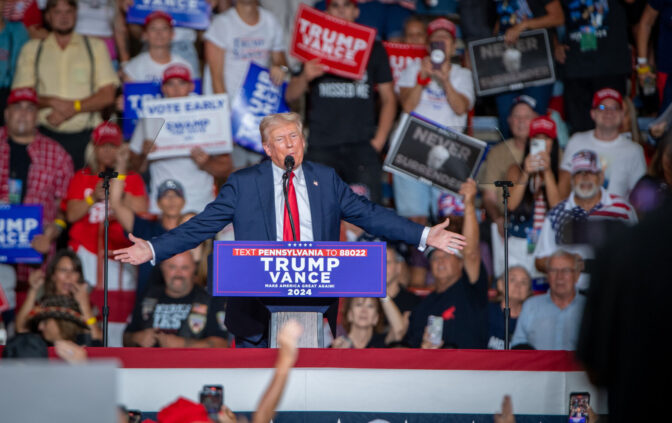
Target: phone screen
{"x": 537, "y": 145}
{"x": 437, "y": 53}
{"x": 212, "y": 398}
{"x": 435, "y": 324}
{"x": 578, "y": 407}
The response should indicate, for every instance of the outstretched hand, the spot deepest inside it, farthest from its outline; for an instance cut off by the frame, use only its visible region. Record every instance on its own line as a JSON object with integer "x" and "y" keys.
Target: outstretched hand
{"x": 138, "y": 253}
{"x": 445, "y": 240}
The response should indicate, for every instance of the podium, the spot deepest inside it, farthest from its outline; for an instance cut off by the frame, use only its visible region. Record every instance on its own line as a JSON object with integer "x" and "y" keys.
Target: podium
{"x": 298, "y": 280}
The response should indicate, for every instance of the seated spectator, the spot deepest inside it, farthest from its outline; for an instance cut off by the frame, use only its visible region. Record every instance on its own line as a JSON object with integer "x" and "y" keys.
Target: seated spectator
{"x": 63, "y": 278}
{"x": 520, "y": 288}
{"x": 35, "y": 170}
{"x": 364, "y": 322}
{"x": 196, "y": 172}
{"x": 13, "y": 36}
{"x": 85, "y": 210}
{"x": 150, "y": 65}
{"x": 179, "y": 314}
{"x": 514, "y": 17}
{"x": 346, "y": 131}
{"x": 503, "y": 155}
{"x": 461, "y": 296}
{"x": 651, "y": 190}
{"x": 534, "y": 192}
{"x": 551, "y": 321}
{"x": 444, "y": 96}
{"x": 170, "y": 202}
{"x": 57, "y": 318}
{"x": 588, "y": 202}
{"x": 74, "y": 78}
{"x": 621, "y": 159}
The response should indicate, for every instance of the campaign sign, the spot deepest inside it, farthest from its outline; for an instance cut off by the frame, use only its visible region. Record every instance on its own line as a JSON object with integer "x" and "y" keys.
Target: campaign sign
{"x": 194, "y": 121}
{"x": 343, "y": 47}
{"x": 299, "y": 269}
{"x": 186, "y": 13}
{"x": 18, "y": 225}
{"x": 498, "y": 67}
{"x": 135, "y": 94}
{"x": 257, "y": 98}
{"x": 432, "y": 154}
{"x": 401, "y": 55}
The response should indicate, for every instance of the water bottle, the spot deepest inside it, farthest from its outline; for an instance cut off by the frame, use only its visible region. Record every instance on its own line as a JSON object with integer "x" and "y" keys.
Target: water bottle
{"x": 649, "y": 84}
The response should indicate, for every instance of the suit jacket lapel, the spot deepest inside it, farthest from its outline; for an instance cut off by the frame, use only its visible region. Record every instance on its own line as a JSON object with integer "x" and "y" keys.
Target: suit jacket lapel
{"x": 314, "y": 195}
{"x": 266, "y": 197}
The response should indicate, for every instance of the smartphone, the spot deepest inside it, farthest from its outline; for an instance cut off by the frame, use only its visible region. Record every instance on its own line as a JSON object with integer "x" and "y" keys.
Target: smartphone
{"x": 537, "y": 145}
{"x": 437, "y": 53}
{"x": 134, "y": 416}
{"x": 578, "y": 407}
{"x": 435, "y": 324}
{"x": 212, "y": 398}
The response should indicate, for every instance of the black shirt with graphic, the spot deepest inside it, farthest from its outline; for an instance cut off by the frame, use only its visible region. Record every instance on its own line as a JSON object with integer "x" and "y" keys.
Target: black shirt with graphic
{"x": 512, "y": 12}
{"x": 342, "y": 110}
{"x": 19, "y": 162}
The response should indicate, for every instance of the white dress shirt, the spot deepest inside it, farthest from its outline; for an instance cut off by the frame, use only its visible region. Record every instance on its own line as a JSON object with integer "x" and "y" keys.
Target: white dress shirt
{"x": 305, "y": 218}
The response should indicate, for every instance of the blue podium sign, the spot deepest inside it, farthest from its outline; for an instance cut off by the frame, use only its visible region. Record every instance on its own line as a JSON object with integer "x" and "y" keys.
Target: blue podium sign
{"x": 299, "y": 269}
{"x": 18, "y": 225}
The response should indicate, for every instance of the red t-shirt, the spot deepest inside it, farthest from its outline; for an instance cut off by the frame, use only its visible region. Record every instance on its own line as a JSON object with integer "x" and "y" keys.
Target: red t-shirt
{"x": 89, "y": 230}
{"x": 25, "y": 11}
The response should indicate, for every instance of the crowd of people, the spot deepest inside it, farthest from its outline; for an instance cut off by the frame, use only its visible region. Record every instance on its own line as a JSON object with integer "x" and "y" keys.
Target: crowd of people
{"x": 61, "y": 102}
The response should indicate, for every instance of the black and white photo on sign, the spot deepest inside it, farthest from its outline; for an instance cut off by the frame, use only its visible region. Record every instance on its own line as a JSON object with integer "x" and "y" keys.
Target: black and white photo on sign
{"x": 432, "y": 154}
{"x": 500, "y": 67}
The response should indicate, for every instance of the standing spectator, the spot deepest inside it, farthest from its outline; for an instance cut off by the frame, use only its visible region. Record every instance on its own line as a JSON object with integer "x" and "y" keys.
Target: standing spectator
{"x": 13, "y": 36}
{"x": 653, "y": 10}
{"x": 33, "y": 169}
{"x": 551, "y": 321}
{"x": 351, "y": 149}
{"x": 621, "y": 159}
{"x": 178, "y": 315}
{"x": 444, "y": 96}
{"x": 96, "y": 18}
{"x": 150, "y": 65}
{"x": 514, "y": 17}
{"x": 73, "y": 77}
{"x": 503, "y": 155}
{"x": 26, "y": 12}
{"x": 461, "y": 285}
{"x": 588, "y": 202}
{"x": 196, "y": 172}
{"x": 85, "y": 210}
{"x": 243, "y": 34}
{"x": 520, "y": 288}
{"x": 595, "y": 55}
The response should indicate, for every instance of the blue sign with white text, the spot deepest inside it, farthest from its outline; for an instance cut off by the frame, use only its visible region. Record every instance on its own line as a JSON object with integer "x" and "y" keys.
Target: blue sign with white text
{"x": 135, "y": 93}
{"x": 193, "y": 14}
{"x": 299, "y": 269}
{"x": 258, "y": 97}
{"x": 18, "y": 225}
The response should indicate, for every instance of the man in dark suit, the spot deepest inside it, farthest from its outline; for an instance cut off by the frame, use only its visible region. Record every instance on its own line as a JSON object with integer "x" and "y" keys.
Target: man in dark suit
{"x": 253, "y": 200}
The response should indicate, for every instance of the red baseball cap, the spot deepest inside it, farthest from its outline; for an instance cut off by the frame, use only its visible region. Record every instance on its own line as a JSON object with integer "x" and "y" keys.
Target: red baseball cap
{"x": 354, "y": 2}
{"x": 22, "y": 94}
{"x": 444, "y": 24}
{"x": 107, "y": 132}
{"x": 543, "y": 125}
{"x": 159, "y": 14}
{"x": 606, "y": 93}
{"x": 183, "y": 411}
{"x": 177, "y": 70}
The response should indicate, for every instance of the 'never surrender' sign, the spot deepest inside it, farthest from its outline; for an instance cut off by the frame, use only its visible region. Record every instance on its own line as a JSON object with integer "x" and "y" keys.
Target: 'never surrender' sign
{"x": 18, "y": 225}
{"x": 343, "y": 47}
{"x": 299, "y": 269}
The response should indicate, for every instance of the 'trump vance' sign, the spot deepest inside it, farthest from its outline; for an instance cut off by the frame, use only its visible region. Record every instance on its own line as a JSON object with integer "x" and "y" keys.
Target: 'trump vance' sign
{"x": 18, "y": 225}
{"x": 342, "y": 46}
{"x": 299, "y": 269}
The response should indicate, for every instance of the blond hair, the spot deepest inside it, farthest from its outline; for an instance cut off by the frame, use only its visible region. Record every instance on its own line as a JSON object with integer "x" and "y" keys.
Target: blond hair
{"x": 270, "y": 121}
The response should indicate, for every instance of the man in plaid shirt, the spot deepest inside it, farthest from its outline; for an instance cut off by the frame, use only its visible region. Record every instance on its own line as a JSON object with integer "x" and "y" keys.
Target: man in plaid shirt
{"x": 34, "y": 169}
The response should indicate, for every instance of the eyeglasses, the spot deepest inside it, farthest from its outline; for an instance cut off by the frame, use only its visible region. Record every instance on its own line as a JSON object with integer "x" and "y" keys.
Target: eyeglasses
{"x": 563, "y": 271}
{"x": 604, "y": 108}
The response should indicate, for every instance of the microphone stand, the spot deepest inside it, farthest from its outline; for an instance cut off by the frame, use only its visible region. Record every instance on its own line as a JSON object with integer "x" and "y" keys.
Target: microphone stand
{"x": 285, "y": 182}
{"x": 505, "y": 185}
{"x": 106, "y": 175}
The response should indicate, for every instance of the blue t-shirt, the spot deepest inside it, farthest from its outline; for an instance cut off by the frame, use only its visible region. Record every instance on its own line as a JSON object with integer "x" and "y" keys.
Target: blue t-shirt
{"x": 146, "y": 229}
{"x": 12, "y": 38}
{"x": 664, "y": 58}
{"x": 463, "y": 307}
{"x": 496, "y": 326}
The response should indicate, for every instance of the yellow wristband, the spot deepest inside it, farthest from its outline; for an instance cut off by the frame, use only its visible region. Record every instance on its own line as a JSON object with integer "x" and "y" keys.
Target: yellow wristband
{"x": 91, "y": 321}
{"x": 60, "y": 223}
{"x": 89, "y": 200}
{"x": 78, "y": 106}
{"x": 121, "y": 177}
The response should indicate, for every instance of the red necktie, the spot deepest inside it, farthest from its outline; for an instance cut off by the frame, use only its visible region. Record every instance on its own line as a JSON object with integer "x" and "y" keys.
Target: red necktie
{"x": 294, "y": 208}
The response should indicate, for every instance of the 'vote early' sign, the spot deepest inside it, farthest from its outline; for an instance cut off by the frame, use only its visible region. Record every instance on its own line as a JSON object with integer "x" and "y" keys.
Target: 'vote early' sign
{"x": 343, "y": 47}
{"x": 18, "y": 225}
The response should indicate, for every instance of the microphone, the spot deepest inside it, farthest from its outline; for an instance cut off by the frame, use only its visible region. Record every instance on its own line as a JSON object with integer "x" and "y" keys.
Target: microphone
{"x": 289, "y": 166}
